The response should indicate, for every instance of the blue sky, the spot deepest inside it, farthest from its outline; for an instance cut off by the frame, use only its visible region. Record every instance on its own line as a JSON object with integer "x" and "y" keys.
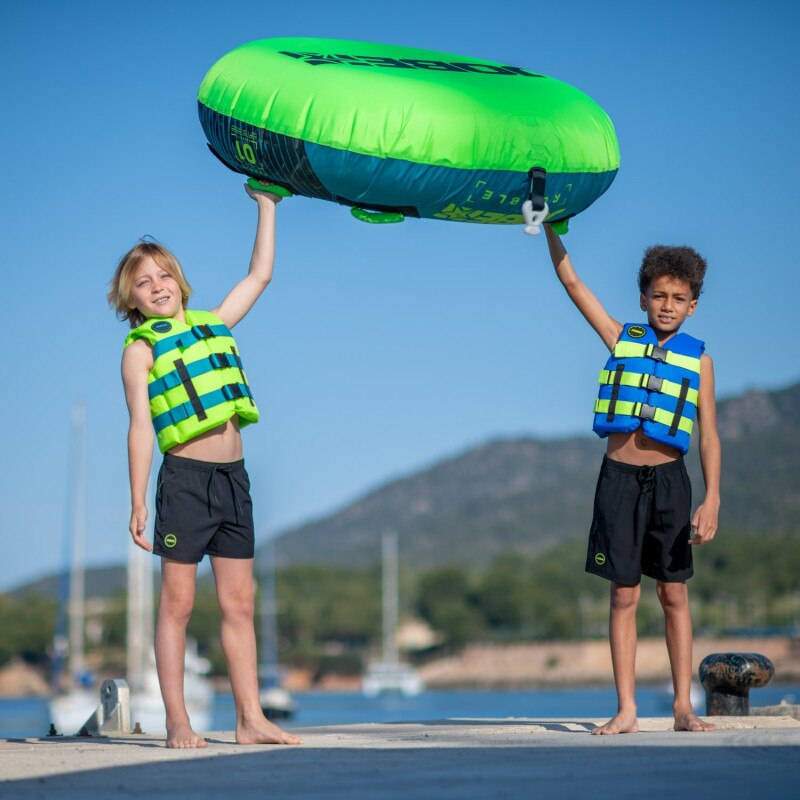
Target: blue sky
{"x": 377, "y": 350}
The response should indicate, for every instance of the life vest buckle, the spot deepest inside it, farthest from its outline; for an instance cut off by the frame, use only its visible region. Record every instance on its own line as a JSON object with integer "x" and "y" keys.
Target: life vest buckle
{"x": 203, "y": 332}
{"x": 220, "y": 361}
{"x": 233, "y": 391}
{"x": 658, "y": 353}
{"x": 647, "y": 412}
{"x": 654, "y": 383}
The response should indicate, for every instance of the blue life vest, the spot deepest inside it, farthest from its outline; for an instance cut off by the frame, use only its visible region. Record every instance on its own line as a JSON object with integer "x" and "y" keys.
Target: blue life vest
{"x": 652, "y": 386}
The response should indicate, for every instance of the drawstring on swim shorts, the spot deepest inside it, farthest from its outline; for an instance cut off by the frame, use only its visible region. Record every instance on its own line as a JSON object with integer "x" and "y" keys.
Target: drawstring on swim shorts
{"x": 211, "y": 493}
{"x": 647, "y": 479}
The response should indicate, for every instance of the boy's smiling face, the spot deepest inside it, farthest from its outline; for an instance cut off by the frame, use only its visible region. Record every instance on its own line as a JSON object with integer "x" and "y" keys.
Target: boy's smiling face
{"x": 668, "y": 302}
{"x": 155, "y": 292}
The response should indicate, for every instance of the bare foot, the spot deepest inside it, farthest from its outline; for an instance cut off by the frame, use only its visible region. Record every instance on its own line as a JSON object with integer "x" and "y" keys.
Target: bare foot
{"x": 623, "y": 722}
{"x": 691, "y": 722}
{"x": 262, "y": 731}
{"x": 181, "y": 736}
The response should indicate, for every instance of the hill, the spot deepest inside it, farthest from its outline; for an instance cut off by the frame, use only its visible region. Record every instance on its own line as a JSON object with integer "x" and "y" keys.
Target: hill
{"x": 99, "y": 582}
{"x": 527, "y": 494}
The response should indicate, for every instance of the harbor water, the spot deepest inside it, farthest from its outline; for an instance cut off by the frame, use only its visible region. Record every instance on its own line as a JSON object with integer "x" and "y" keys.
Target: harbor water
{"x": 29, "y": 717}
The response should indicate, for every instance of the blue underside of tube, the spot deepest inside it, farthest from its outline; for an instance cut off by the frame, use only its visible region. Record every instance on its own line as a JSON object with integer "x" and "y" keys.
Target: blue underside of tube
{"x": 387, "y": 184}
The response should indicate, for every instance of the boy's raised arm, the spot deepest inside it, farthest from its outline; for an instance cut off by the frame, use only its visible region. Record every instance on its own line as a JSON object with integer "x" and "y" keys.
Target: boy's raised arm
{"x": 242, "y": 297}
{"x": 592, "y": 309}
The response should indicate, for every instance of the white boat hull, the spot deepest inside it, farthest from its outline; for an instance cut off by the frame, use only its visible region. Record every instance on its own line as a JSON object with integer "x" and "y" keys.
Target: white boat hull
{"x": 382, "y": 678}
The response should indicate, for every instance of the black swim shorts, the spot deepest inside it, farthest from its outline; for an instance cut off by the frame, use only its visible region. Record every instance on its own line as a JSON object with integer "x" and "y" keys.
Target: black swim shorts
{"x": 203, "y": 508}
{"x": 641, "y": 525}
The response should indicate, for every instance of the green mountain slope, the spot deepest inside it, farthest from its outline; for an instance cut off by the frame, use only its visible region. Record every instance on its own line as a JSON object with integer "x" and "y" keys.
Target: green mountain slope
{"x": 525, "y": 494}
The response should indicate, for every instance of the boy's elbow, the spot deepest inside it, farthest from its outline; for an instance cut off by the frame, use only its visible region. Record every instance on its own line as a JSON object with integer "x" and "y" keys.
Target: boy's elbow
{"x": 260, "y": 279}
{"x": 569, "y": 282}
{"x": 710, "y": 443}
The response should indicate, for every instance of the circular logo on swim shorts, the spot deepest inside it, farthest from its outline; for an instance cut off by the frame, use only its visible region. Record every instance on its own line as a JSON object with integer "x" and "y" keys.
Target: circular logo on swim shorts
{"x": 162, "y": 327}
{"x": 170, "y": 540}
{"x": 600, "y": 559}
{"x": 636, "y": 331}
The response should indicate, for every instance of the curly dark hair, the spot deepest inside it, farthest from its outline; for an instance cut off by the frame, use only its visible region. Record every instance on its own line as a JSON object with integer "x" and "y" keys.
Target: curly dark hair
{"x": 680, "y": 263}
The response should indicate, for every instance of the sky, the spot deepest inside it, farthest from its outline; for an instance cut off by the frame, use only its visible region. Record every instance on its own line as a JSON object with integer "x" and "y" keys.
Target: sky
{"x": 378, "y": 350}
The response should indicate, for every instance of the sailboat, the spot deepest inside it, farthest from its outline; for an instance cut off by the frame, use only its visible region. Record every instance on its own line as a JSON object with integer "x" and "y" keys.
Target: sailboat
{"x": 276, "y": 701}
{"x": 390, "y": 674}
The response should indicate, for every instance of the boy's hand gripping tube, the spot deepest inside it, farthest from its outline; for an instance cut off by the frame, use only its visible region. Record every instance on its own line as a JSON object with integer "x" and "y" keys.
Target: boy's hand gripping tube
{"x": 272, "y": 188}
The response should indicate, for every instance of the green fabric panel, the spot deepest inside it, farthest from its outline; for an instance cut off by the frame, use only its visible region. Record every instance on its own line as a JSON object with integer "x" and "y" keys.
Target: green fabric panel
{"x": 444, "y": 115}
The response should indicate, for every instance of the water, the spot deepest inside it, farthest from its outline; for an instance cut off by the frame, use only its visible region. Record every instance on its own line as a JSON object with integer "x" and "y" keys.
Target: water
{"x": 23, "y": 717}
{"x": 29, "y": 717}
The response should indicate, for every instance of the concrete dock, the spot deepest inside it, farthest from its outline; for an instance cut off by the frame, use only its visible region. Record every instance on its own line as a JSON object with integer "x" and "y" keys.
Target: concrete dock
{"x": 456, "y": 759}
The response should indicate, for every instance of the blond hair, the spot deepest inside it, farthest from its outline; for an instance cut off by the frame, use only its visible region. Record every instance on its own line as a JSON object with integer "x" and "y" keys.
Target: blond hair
{"x": 119, "y": 295}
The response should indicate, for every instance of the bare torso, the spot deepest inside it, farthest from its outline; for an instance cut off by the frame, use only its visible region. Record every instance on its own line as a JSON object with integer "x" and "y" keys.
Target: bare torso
{"x": 638, "y": 449}
{"x": 221, "y": 444}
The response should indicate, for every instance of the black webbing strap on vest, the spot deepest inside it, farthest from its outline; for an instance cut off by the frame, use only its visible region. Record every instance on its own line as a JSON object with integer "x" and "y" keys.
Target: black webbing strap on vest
{"x": 676, "y": 418}
{"x": 191, "y": 392}
{"x": 241, "y": 372}
{"x": 234, "y": 391}
{"x": 538, "y": 178}
{"x": 203, "y": 332}
{"x": 612, "y": 403}
{"x": 225, "y": 361}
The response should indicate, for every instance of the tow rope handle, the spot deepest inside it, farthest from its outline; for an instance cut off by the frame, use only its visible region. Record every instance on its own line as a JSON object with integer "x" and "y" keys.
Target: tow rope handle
{"x": 534, "y": 209}
{"x": 376, "y": 216}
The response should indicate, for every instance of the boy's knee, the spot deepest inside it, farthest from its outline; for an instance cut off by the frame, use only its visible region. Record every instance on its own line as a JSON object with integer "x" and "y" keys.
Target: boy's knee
{"x": 624, "y": 597}
{"x": 177, "y": 607}
{"x": 238, "y": 604}
{"x": 673, "y": 595}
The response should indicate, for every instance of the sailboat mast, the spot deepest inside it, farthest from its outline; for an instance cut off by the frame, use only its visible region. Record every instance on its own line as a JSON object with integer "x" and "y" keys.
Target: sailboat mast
{"x": 76, "y": 582}
{"x": 140, "y": 612}
{"x": 269, "y": 633}
{"x": 390, "y": 591}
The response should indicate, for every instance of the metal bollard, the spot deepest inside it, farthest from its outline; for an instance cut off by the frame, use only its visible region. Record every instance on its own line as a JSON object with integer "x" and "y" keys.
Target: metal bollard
{"x": 728, "y": 679}
{"x": 113, "y": 715}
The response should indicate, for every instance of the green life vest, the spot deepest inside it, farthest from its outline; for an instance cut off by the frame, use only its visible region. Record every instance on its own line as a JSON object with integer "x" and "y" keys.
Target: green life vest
{"x": 197, "y": 382}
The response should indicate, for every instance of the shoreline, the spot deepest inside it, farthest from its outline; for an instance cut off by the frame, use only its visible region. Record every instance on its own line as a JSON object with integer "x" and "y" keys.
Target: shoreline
{"x": 587, "y": 663}
{"x": 518, "y": 666}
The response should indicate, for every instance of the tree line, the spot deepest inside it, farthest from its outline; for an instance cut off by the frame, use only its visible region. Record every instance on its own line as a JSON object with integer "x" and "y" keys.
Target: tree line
{"x": 329, "y": 618}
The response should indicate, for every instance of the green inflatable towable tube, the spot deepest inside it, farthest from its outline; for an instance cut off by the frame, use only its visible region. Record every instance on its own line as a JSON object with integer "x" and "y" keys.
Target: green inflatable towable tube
{"x": 396, "y": 132}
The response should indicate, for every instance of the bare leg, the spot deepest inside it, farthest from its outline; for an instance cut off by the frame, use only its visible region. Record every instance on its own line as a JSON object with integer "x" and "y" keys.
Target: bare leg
{"x": 674, "y": 599}
{"x": 236, "y": 596}
{"x": 174, "y": 610}
{"x": 622, "y": 634}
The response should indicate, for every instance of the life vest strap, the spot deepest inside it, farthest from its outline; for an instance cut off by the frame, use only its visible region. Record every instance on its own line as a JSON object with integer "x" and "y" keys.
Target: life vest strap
{"x": 616, "y": 380}
{"x": 203, "y": 332}
{"x": 653, "y": 383}
{"x": 241, "y": 373}
{"x": 180, "y": 341}
{"x": 645, "y": 411}
{"x": 623, "y": 349}
{"x": 673, "y": 428}
{"x": 194, "y": 370}
{"x": 191, "y": 392}
{"x": 230, "y": 391}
